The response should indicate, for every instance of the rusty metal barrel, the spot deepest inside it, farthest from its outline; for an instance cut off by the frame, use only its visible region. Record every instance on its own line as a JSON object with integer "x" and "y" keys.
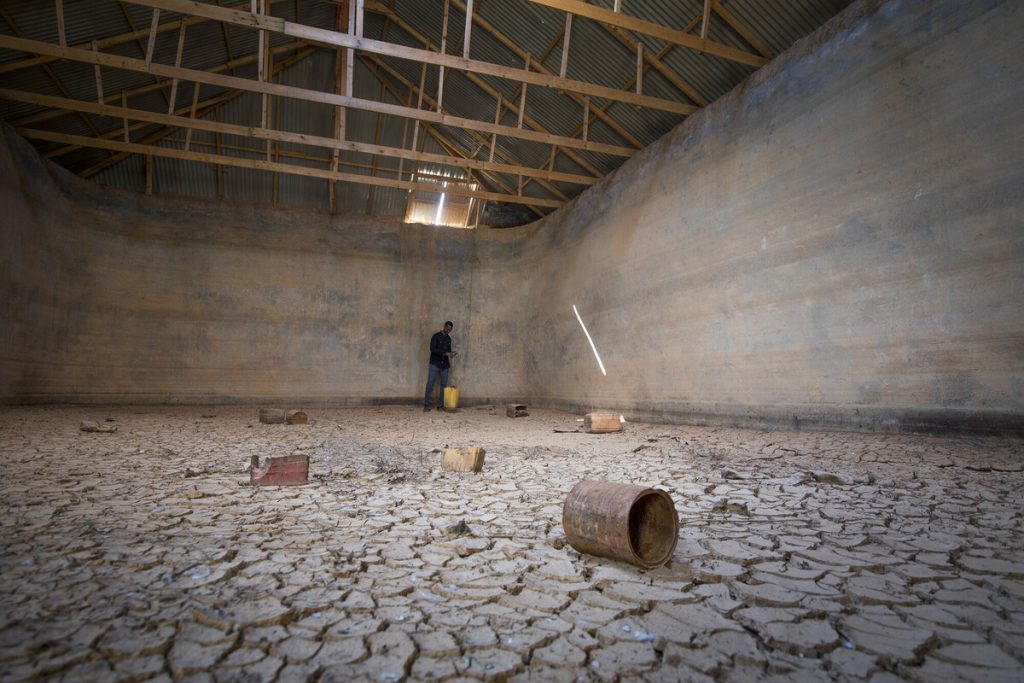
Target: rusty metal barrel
{"x": 635, "y": 524}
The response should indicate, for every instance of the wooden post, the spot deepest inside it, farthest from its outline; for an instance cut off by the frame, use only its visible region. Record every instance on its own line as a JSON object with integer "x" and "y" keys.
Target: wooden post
{"x": 705, "y": 20}
{"x": 342, "y": 86}
{"x": 261, "y": 63}
{"x": 99, "y": 77}
{"x": 277, "y": 149}
{"x": 419, "y": 105}
{"x": 586, "y": 117}
{"x": 60, "y": 24}
{"x": 522, "y": 94}
{"x": 149, "y": 174}
{"x": 444, "y": 48}
{"x": 192, "y": 114}
{"x": 177, "y": 64}
{"x": 124, "y": 121}
{"x": 494, "y": 136}
{"x": 373, "y": 160}
{"x": 565, "y": 45}
{"x": 219, "y": 168}
{"x": 639, "y": 68}
{"x": 469, "y": 27}
{"x": 355, "y": 18}
{"x": 153, "y": 25}
{"x": 268, "y": 122}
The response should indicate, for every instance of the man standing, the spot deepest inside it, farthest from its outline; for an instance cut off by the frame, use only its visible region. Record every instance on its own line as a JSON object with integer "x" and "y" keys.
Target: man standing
{"x": 441, "y": 355}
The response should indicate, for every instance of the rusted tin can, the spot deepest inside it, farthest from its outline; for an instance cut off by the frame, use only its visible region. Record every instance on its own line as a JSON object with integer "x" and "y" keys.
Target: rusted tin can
{"x": 635, "y": 524}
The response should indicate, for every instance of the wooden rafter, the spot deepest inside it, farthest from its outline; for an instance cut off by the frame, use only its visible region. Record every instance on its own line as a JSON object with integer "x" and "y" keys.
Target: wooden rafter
{"x": 654, "y": 30}
{"x": 261, "y": 164}
{"x": 378, "y": 68}
{"x": 119, "y": 39}
{"x": 299, "y": 47}
{"x": 249, "y": 85}
{"x": 538, "y": 65}
{"x": 180, "y": 121}
{"x": 537, "y": 174}
{"x": 195, "y": 109}
{"x": 52, "y": 75}
{"x": 336, "y": 39}
{"x": 491, "y": 91}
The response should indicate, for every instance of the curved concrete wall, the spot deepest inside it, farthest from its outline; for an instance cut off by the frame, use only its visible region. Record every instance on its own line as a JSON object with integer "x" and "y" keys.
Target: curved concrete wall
{"x": 112, "y": 296}
{"x": 838, "y": 242}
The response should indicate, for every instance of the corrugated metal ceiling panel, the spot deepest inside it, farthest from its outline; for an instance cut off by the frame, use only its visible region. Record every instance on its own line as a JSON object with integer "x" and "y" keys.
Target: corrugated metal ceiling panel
{"x": 596, "y": 55}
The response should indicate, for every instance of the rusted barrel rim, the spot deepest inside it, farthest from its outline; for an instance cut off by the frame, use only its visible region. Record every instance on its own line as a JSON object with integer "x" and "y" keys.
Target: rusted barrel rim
{"x": 620, "y": 521}
{"x": 657, "y": 549}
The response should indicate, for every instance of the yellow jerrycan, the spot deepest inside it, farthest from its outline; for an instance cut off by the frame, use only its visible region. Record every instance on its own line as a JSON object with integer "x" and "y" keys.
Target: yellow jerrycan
{"x": 451, "y": 399}
{"x": 451, "y": 393}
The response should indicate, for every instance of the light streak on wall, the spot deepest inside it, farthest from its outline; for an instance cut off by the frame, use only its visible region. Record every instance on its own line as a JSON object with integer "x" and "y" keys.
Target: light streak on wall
{"x": 589, "y": 339}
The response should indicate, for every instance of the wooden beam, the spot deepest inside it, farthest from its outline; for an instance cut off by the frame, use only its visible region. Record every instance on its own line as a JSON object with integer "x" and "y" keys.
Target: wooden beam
{"x": 705, "y": 20}
{"x": 208, "y": 78}
{"x": 655, "y": 30}
{"x": 192, "y": 123}
{"x": 240, "y": 162}
{"x": 335, "y": 39}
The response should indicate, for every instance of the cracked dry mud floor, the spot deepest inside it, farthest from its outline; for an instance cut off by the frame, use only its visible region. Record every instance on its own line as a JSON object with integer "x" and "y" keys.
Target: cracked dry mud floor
{"x": 803, "y": 556}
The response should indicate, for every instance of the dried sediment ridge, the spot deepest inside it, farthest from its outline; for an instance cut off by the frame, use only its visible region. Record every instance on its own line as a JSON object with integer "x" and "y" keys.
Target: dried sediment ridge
{"x": 144, "y": 554}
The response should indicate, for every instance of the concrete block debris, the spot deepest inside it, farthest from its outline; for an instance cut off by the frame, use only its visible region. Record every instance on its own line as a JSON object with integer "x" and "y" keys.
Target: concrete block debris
{"x": 93, "y": 426}
{"x": 272, "y": 416}
{"x": 276, "y": 416}
{"x": 468, "y": 459}
{"x": 602, "y": 422}
{"x": 516, "y": 410}
{"x": 290, "y": 470}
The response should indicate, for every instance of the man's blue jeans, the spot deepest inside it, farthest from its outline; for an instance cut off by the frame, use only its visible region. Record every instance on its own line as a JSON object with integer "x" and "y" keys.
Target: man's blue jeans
{"x": 433, "y": 372}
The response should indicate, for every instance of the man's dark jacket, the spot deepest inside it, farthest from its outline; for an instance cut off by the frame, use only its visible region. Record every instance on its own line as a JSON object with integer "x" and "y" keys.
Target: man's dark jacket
{"x": 440, "y": 344}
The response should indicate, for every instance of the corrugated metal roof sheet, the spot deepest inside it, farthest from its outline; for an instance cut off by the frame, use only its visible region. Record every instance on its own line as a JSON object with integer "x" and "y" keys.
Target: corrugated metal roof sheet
{"x": 502, "y": 31}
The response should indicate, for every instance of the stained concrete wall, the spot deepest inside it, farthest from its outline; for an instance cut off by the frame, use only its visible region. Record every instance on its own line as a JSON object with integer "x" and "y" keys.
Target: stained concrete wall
{"x": 113, "y": 296}
{"x": 837, "y": 243}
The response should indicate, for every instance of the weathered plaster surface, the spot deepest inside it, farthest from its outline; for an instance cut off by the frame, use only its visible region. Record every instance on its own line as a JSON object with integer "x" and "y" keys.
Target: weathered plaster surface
{"x": 110, "y": 296}
{"x": 838, "y": 242}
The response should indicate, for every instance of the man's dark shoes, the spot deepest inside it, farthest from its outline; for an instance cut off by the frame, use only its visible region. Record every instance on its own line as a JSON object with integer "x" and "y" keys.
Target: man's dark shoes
{"x": 426, "y": 409}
